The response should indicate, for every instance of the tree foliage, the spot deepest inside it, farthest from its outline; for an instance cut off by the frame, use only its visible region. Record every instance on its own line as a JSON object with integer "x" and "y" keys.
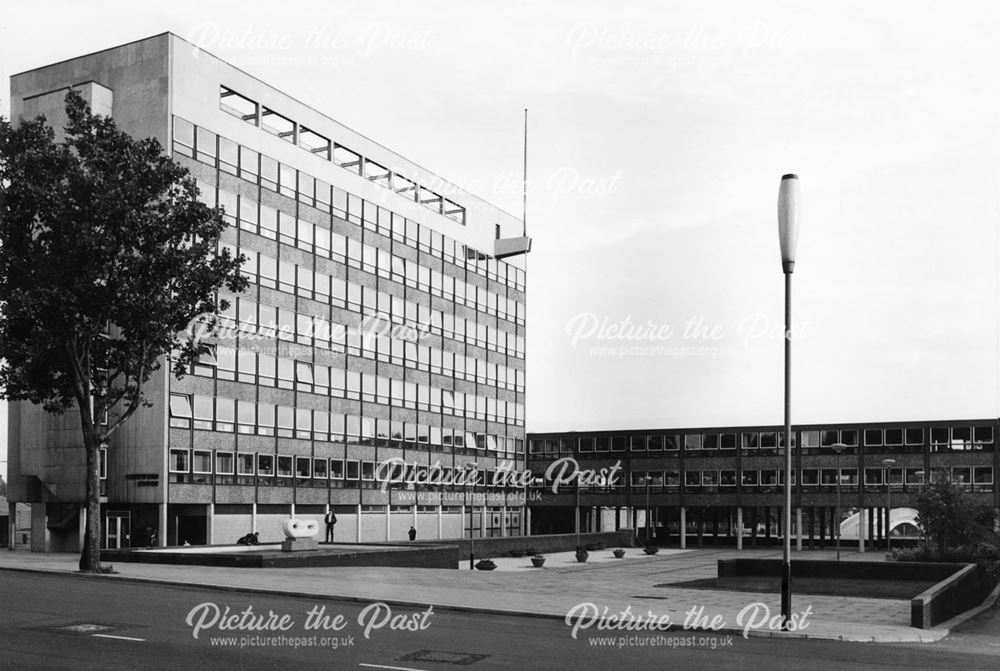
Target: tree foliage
{"x": 949, "y": 519}
{"x": 107, "y": 255}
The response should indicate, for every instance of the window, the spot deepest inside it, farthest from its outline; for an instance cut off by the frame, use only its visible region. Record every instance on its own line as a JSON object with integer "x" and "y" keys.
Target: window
{"x": 229, "y": 156}
{"x": 265, "y": 465}
{"x": 303, "y": 467}
{"x": 249, "y": 164}
{"x": 284, "y": 466}
{"x": 183, "y": 137}
{"x": 225, "y": 414}
{"x": 224, "y": 463}
{"x": 244, "y": 463}
{"x": 265, "y": 419}
{"x": 202, "y": 462}
{"x": 180, "y": 410}
{"x": 203, "y": 412}
{"x": 692, "y": 441}
{"x": 246, "y": 416}
{"x": 873, "y": 437}
{"x": 319, "y": 469}
{"x": 206, "y": 141}
{"x": 961, "y": 438}
{"x": 180, "y": 461}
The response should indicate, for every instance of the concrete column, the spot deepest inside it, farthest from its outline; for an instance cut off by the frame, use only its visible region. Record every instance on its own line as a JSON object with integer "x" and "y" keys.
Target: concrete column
{"x": 210, "y": 524}
{"x": 503, "y": 520}
{"x": 683, "y": 528}
{"x": 388, "y": 521}
{"x": 161, "y": 533}
{"x": 414, "y": 513}
{"x": 11, "y": 525}
{"x": 440, "y": 520}
{"x": 527, "y": 521}
{"x": 482, "y": 519}
{"x": 464, "y": 511}
{"x": 357, "y": 516}
{"x": 739, "y": 528}
{"x": 798, "y": 529}
{"x": 861, "y": 529}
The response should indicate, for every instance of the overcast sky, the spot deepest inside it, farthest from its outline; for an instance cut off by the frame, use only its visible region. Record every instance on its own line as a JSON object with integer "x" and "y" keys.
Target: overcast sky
{"x": 658, "y": 136}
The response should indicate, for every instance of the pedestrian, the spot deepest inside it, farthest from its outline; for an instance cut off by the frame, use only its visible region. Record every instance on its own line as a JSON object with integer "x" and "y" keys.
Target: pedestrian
{"x": 413, "y": 534}
{"x": 330, "y": 520}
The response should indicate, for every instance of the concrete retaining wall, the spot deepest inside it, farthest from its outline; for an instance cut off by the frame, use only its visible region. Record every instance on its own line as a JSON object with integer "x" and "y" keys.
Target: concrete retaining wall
{"x": 956, "y": 594}
{"x": 498, "y": 547}
{"x": 959, "y": 586}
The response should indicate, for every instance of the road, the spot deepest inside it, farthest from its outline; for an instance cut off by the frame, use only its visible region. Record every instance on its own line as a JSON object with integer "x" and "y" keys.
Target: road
{"x": 127, "y": 625}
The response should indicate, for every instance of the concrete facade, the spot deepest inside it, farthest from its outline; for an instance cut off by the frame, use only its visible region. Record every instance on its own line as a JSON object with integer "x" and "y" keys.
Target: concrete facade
{"x": 427, "y": 367}
{"x": 699, "y": 485}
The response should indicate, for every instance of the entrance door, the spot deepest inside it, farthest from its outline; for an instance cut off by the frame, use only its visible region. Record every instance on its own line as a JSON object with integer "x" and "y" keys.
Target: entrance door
{"x": 117, "y": 529}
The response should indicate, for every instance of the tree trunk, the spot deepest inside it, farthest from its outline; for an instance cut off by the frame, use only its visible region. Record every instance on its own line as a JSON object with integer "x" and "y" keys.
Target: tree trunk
{"x": 90, "y": 557}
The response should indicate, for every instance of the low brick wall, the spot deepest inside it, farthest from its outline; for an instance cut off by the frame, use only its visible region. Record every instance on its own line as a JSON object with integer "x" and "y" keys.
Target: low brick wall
{"x": 499, "y": 547}
{"x": 956, "y": 594}
{"x": 959, "y": 586}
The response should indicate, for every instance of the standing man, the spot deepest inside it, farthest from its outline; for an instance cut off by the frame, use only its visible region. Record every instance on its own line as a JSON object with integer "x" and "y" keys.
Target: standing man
{"x": 330, "y": 520}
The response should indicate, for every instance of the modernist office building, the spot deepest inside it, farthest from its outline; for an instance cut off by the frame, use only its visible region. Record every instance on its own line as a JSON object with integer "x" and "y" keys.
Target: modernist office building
{"x": 379, "y": 325}
{"x": 701, "y": 485}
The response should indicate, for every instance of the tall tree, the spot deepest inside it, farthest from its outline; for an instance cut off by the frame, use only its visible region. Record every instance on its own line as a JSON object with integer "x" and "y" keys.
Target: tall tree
{"x": 106, "y": 257}
{"x": 949, "y": 519}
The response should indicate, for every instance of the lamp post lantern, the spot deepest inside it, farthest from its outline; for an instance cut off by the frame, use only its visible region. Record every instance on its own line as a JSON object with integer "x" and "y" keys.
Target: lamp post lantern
{"x": 886, "y": 465}
{"x": 788, "y": 224}
{"x": 839, "y": 449}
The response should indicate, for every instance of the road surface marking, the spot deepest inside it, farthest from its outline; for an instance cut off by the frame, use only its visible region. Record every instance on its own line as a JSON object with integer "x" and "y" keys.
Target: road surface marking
{"x": 392, "y": 668}
{"x": 120, "y": 638}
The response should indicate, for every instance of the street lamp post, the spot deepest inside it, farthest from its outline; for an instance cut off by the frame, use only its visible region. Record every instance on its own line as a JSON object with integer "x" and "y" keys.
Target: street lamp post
{"x": 576, "y": 522}
{"x": 647, "y": 478}
{"x": 886, "y": 465}
{"x": 788, "y": 223}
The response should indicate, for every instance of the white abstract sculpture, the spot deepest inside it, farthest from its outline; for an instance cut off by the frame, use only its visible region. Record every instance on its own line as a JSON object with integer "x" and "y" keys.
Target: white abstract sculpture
{"x": 296, "y": 528}
{"x": 299, "y": 535}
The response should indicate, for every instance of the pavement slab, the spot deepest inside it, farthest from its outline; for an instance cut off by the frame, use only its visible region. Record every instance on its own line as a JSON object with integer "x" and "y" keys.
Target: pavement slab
{"x": 603, "y": 586}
